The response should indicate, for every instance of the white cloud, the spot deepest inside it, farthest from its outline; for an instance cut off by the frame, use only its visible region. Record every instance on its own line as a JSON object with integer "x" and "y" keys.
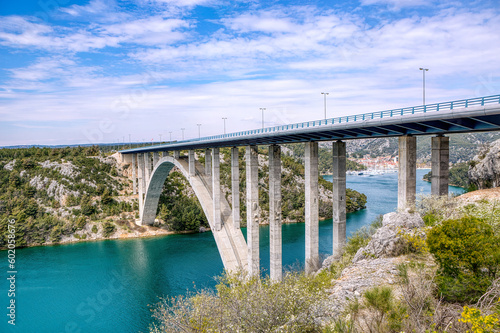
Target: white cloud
{"x": 398, "y": 4}
{"x": 19, "y": 32}
{"x": 278, "y": 58}
{"x": 96, "y": 11}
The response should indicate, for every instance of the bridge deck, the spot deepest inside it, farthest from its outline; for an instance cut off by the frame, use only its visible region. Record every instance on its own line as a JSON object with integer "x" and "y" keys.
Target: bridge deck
{"x": 469, "y": 115}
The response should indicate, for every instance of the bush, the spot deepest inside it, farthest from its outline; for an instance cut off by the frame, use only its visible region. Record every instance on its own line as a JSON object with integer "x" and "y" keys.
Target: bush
{"x": 81, "y": 223}
{"x": 468, "y": 254}
{"x": 107, "y": 229}
{"x": 247, "y": 304}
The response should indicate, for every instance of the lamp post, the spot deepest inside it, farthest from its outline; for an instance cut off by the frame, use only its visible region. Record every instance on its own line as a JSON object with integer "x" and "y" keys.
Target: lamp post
{"x": 182, "y": 129}
{"x": 262, "y": 109}
{"x": 324, "y": 94}
{"x": 170, "y": 136}
{"x": 199, "y": 133}
{"x": 423, "y": 72}
{"x": 224, "y": 118}
{"x": 129, "y": 142}
{"x": 160, "y": 138}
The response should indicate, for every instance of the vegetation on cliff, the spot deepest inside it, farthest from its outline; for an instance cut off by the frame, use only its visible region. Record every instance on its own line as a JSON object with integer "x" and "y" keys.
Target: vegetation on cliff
{"x": 70, "y": 194}
{"x": 55, "y": 192}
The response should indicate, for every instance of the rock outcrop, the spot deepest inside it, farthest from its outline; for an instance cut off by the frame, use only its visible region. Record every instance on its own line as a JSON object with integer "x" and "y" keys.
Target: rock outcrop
{"x": 375, "y": 264}
{"x": 387, "y": 241}
{"x": 485, "y": 172}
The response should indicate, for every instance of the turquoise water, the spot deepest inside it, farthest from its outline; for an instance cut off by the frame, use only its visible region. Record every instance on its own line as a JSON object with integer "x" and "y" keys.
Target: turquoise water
{"x": 109, "y": 286}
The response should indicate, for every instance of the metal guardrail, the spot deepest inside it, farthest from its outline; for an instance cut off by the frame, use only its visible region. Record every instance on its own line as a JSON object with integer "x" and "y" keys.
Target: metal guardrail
{"x": 463, "y": 103}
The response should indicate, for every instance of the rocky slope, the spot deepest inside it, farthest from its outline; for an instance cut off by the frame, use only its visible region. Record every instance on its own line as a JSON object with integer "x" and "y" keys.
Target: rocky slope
{"x": 485, "y": 167}
{"x": 376, "y": 263}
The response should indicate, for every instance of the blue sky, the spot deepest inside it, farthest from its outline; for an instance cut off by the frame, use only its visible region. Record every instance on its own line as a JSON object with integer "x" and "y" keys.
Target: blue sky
{"x": 74, "y": 71}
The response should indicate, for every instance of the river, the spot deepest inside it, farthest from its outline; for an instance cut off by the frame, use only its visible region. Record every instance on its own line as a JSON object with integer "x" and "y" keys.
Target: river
{"x": 109, "y": 286}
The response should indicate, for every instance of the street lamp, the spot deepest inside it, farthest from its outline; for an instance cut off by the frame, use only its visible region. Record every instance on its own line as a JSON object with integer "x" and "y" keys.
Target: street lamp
{"x": 160, "y": 138}
{"x": 129, "y": 142}
{"x": 170, "y": 136}
{"x": 423, "y": 72}
{"x": 182, "y": 129}
{"x": 199, "y": 133}
{"x": 224, "y": 118}
{"x": 262, "y": 109}
{"x": 325, "y": 93}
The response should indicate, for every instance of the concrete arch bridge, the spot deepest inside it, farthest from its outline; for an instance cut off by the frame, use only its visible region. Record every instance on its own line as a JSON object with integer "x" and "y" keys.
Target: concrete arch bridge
{"x": 150, "y": 171}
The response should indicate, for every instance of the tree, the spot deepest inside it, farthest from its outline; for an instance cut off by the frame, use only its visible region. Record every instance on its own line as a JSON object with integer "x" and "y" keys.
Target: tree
{"x": 468, "y": 254}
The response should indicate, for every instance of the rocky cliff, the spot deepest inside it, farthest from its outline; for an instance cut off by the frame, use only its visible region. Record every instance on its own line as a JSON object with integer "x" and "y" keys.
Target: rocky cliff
{"x": 485, "y": 170}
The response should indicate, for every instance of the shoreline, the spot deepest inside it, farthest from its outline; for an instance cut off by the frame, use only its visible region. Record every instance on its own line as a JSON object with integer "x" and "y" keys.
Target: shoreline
{"x": 122, "y": 236}
{"x": 157, "y": 232}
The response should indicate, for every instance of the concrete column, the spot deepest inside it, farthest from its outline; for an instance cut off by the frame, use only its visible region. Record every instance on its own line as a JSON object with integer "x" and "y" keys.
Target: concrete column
{"x": 177, "y": 154}
{"x": 208, "y": 162}
{"x": 156, "y": 158}
{"x": 440, "y": 159}
{"x": 192, "y": 171}
{"x": 407, "y": 176}
{"x": 140, "y": 164}
{"x": 235, "y": 186}
{"x": 339, "y": 197}
{"x": 147, "y": 169}
{"x": 312, "y": 207}
{"x": 252, "y": 170}
{"x": 275, "y": 212}
{"x": 216, "y": 189}
{"x": 134, "y": 174}
{"x": 165, "y": 153}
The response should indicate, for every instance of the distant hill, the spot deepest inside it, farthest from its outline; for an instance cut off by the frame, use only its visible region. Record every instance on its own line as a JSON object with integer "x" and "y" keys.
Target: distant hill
{"x": 463, "y": 147}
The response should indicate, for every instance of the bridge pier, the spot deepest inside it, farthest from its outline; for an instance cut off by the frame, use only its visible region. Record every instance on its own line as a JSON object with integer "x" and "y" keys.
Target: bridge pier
{"x": 252, "y": 182}
{"x": 134, "y": 174}
{"x": 208, "y": 162}
{"x": 191, "y": 161}
{"x": 440, "y": 159}
{"x": 339, "y": 197}
{"x": 275, "y": 245}
{"x": 140, "y": 164}
{"x": 156, "y": 158}
{"x": 407, "y": 175}
{"x": 235, "y": 186}
{"x": 216, "y": 189}
{"x": 177, "y": 154}
{"x": 311, "y": 207}
{"x": 147, "y": 168}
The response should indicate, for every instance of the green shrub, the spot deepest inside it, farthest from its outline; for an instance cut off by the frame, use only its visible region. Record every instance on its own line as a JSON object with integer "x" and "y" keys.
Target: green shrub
{"x": 468, "y": 254}
{"x": 248, "y": 304}
{"x": 55, "y": 234}
{"x": 81, "y": 223}
{"x": 107, "y": 229}
{"x": 94, "y": 229}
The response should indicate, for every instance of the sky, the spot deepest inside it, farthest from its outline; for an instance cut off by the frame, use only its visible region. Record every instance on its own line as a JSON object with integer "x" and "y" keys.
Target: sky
{"x": 105, "y": 71}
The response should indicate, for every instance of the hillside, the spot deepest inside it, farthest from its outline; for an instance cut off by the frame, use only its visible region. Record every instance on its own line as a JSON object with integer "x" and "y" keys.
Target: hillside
{"x": 59, "y": 195}
{"x": 463, "y": 147}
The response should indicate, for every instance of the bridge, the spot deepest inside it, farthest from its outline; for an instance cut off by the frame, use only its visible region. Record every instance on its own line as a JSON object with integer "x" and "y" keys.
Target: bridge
{"x": 150, "y": 170}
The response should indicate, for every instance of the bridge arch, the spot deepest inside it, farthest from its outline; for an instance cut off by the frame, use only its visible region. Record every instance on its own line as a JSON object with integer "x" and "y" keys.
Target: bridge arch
{"x": 230, "y": 241}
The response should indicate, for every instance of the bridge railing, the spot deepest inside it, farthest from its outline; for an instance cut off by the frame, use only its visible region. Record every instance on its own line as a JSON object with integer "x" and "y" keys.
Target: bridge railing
{"x": 463, "y": 103}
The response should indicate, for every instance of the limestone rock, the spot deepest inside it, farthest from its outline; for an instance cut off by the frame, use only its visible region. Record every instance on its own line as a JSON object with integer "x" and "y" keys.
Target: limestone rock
{"x": 359, "y": 277}
{"x": 486, "y": 172}
{"x": 10, "y": 166}
{"x": 403, "y": 220}
{"x": 387, "y": 241}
